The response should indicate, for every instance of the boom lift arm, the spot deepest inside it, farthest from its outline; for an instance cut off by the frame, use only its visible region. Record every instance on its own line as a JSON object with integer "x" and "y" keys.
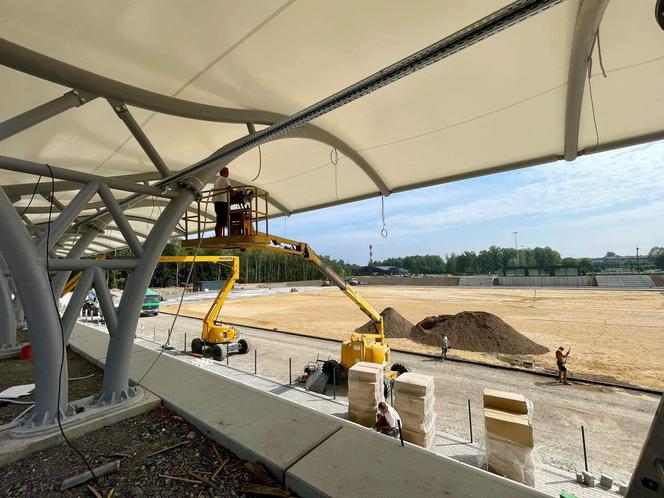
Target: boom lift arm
{"x": 360, "y": 347}
{"x": 215, "y": 333}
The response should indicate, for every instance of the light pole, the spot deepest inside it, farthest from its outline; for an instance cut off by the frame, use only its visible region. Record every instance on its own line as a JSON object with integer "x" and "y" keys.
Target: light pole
{"x": 638, "y": 269}
{"x": 516, "y": 246}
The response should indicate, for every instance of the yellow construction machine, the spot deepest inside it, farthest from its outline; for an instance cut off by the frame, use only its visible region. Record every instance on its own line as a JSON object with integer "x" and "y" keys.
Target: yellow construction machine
{"x": 216, "y": 338}
{"x": 248, "y": 209}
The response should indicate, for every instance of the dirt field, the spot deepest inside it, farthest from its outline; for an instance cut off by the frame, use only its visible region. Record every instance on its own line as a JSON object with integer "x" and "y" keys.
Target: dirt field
{"x": 614, "y": 335}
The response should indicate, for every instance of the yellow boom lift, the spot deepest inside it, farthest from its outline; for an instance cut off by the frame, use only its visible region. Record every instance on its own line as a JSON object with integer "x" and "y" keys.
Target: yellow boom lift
{"x": 216, "y": 337}
{"x": 248, "y": 210}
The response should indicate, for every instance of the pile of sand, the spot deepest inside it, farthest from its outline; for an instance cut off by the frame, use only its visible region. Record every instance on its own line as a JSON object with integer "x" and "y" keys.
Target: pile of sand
{"x": 394, "y": 324}
{"x": 474, "y": 331}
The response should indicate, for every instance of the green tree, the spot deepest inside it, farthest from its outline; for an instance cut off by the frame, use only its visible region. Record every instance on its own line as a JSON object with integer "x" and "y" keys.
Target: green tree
{"x": 659, "y": 261}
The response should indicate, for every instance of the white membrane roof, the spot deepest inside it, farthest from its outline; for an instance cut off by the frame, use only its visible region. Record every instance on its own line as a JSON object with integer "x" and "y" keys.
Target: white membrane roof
{"x": 498, "y": 104}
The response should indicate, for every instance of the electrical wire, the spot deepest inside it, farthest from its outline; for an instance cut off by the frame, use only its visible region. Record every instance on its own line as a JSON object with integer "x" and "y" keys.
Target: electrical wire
{"x": 592, "y": 99}
{"x": 34, "y": 191}
{"x": 62, "y": 336}
{"x": 260, "y": 163}
{"x": 177, "y": 312}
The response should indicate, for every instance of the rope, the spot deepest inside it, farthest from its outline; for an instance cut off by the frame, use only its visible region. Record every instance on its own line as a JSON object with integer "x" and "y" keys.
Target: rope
{"x": 34, "y": 191}
{"x": 260, "y": 163}
{"x": 383, "y": 232}
{"x": 334, "y": 159}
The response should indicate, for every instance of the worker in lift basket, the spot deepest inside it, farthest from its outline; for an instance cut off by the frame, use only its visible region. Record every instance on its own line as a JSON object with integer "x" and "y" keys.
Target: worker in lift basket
{"x": 387, "y": 420}
{"x": 222, "y": 190}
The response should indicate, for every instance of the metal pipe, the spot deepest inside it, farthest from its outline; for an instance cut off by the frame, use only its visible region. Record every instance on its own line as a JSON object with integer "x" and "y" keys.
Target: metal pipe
{"x": 255, "y": 361}
{"x": 23, "y": 121}
{"x": 76, "y": 302}
{"x": 33, "y": 286}
{"x": 7, "y": 316}
{"x": 120, "y": 221}
{"x": 116, "y": 377}
{"x": 22, "y": 166}
{"x": 138, "y": 133}
{"x": 60, "y": 280}
{"x": 470, "y": 422}
{"x": 290, "y": 380}
{"x": 64, "y": 219}
{"x": 105, "y": 301}
{"x": 66, "y": 264}
{"x": 585, "y": 454}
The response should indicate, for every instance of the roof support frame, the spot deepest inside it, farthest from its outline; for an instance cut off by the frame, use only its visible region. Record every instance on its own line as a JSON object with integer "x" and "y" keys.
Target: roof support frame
{"x": 47, "y": 68}
{"x": 30, "y": 118}
{"x": 123, "y": 113}
{"x": 29, "y": 167}
{"x": 588, "y": 19}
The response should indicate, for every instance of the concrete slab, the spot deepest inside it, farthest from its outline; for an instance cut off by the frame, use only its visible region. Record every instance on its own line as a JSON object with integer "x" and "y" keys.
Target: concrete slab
{"x": 357, "y": 462}
{"x": 12, "y": 449}
{"x": 258, "y": 426}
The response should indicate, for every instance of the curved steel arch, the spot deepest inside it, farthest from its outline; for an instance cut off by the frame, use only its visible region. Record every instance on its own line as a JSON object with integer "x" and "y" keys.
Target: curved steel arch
{"x": 588, "y": 19}
{"x": 50, "y": 69}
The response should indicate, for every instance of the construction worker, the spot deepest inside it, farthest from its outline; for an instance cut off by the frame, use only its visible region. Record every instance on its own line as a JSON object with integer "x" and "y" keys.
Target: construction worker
{"x": 387, "y": 420}
{"x": 222, "y": 189}
{"x": 561, "y": 359}
{"x": 445, "y": 346}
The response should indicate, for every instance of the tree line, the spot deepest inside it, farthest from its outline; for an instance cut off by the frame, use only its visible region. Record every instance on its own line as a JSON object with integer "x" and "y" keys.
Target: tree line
{"x": 492, "y": 260}
{"x": 263, "y": 266}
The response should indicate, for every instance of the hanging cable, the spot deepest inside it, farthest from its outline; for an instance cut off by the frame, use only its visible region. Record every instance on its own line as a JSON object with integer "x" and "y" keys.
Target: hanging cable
{"x": 34, "y": 191}
{"x": 334, "y": 160}
{"x": 599, "y": 53}
{"x": 260, "y": 163}
{"x": 383, "y": 232}
{"x": 62, "y": 336}
{"x": 590, "y": 92}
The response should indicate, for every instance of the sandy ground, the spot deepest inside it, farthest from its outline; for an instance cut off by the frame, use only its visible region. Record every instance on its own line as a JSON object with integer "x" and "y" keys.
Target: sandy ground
{"x": 614, "y": 335}
{"x": 616, "y": 420}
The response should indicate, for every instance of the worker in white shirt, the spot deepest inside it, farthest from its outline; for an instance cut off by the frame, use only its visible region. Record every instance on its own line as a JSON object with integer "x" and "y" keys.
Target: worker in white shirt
{"x": 222, "y": 189}
{"x": 387, "y": 420}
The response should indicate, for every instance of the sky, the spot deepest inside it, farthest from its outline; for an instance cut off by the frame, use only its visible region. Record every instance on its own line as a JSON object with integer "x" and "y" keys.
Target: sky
{"x": 612, "y": 201}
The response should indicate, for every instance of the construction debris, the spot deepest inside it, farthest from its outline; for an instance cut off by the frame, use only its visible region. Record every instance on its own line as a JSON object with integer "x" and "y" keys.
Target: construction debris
{"x": 102, "y": 470}
{"x": 261, "y": 489}
{"x": 202, "y": 478}
{"x": 168, "y": 448}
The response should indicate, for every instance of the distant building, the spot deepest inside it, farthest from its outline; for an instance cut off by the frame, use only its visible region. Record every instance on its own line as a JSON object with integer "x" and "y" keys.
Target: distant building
{"x": 536, "y": 271}
{"x": 623, "y": 264}
{"x": 383, "y": 271}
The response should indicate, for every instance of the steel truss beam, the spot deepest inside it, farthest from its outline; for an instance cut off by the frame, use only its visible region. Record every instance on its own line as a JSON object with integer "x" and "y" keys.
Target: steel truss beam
{"x": 47, "y": 68}
{"x": 45, "y": 187}
{"x": 588, "y": 19}
{"x": 126, "y": 117}
{"x": 43, "y": 112}
{"x": 21, "y": 166}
